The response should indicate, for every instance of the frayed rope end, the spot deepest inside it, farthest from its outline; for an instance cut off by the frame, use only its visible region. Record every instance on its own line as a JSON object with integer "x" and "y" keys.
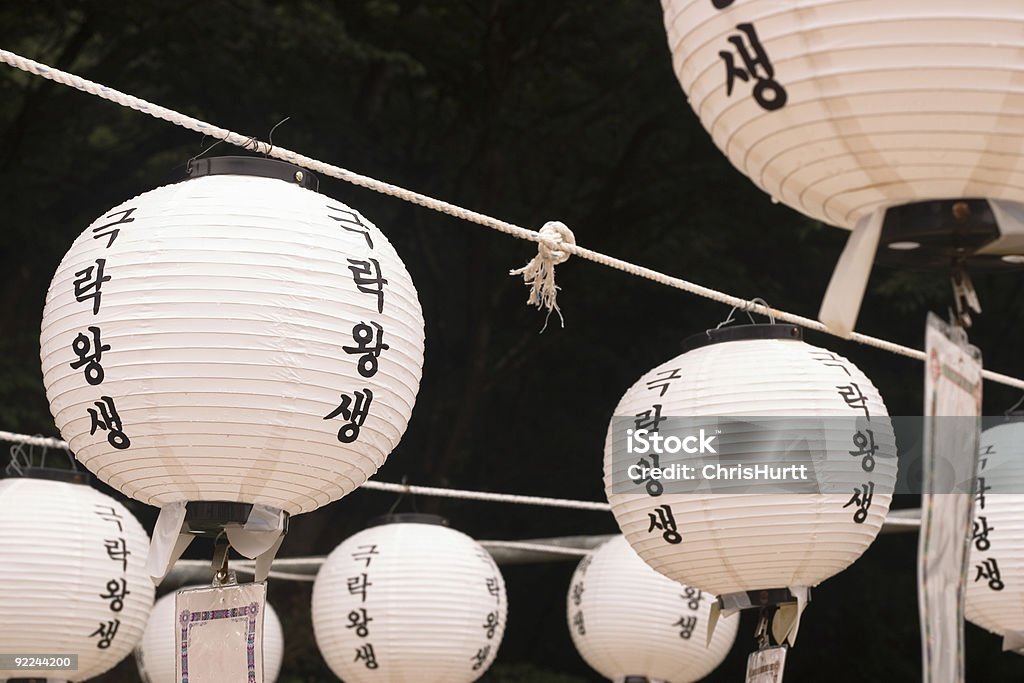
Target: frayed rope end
{"x": 539, "y": 273}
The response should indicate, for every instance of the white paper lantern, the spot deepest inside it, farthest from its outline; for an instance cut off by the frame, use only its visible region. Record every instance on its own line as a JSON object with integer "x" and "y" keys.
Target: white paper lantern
{"x": 628, "y": 620}
{"x": 719, "y": 535}
{"x": 72, "y": 576}
{"x": 840, "y": 107}
{"x": 260, "y": 342}
{"x": 156, "y": 651}
{"x": 409, "y": 601}
{"x": 995, "y": 579}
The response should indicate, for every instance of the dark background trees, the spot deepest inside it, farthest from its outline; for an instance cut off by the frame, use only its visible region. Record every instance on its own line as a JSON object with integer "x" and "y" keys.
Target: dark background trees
{"x": 530, "y": 111}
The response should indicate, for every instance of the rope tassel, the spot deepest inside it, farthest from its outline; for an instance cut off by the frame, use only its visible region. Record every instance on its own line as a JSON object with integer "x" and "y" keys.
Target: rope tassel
{"x": 539, "y": 273}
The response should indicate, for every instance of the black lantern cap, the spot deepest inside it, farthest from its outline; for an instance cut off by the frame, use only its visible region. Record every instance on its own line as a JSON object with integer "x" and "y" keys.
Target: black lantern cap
{"x": 208, "y": 518}
{"x": 55, "y": 474}
{"x": 408, "y": 518}
{"x": 254, "y": 166}
{"x": 935, "y": 235}
{"x": 742, "y": 333}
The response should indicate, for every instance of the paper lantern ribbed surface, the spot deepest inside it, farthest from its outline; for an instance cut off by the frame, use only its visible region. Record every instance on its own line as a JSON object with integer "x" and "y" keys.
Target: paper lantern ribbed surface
{"x": 409, "y": 602}
{"x": 840, "y": 107}
{"x": 995, "y": 579}
{"x": 72, "y": 575}
{"x": 156, "y": 652}
{"x": 628, "y": 620}
{"x": 725, "y": 537}
{"x": 232, "y": 338}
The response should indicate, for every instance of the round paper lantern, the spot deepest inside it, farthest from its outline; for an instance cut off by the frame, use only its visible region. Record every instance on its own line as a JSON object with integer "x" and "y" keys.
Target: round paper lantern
{"x": 723, "y": 531}
{"x": 627, "y": 620}
{"x": 156, "y": 651}
{"x": 841, "y": 107}
{"x": 995, "y": 579}
{"x": 409, "y": 600}
{"x": 898, "y": 120}
{"x": 235, "y": 337}
{"x": 72, "y": 574}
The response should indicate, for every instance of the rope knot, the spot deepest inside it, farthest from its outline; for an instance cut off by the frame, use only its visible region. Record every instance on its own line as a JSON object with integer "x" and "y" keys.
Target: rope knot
{"x": 539, "y": 273}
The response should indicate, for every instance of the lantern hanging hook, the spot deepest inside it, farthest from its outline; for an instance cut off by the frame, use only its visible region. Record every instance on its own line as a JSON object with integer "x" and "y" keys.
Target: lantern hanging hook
{"x": 1012, "y": 409}
{"x": 221, "y": 551}
{"x": 761, "y": 633}
{"x": 748, "y": 308}
{"x": 270, "y": 136}
{"x": 401, "y": 496}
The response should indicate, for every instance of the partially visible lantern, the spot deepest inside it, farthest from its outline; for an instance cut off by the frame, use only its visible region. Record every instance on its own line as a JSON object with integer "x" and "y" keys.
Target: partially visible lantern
{"x": 995, "y": 579}
{"x": 630, "y": 622}
{"x": 859, "y": 112}
{"x": 156, "y": 651}
{"x": 776, "y": 399}
{"x": 72, "y": 573}
{"x": 234, "y": 338}
{"x": 409, "y": 600}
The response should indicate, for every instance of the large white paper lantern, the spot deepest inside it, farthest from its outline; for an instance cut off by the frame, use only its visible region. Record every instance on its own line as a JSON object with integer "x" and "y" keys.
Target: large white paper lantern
{"x": 156, "y": 651}
{"x": 839, "y": 107}
{"x": 995, "y": 579}
{"x": 845, "y": 109}
{"x": 72, "y": 575}
{"x": 409, "y": 601}
{"x": 234, "y": 337}
{"x": 723, "y": 535}
{"x": 627, "y": 620}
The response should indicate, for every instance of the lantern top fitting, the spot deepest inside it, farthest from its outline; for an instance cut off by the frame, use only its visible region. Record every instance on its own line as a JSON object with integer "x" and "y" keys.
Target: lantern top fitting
{"x": 253, "y": 166}
{"x": 742, "y": 333}
{"x": 55, "y": 474}
{"x": 408, "y": 518}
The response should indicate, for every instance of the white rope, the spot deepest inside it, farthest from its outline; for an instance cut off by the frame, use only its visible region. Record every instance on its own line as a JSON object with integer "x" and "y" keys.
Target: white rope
{"x": 387, "y": 486}
{"x": 484, "y": 495}
{"x": 546, "y": 241}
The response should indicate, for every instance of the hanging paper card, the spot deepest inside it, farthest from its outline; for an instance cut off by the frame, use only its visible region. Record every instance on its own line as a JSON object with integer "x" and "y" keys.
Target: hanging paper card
{"x": 952, "y": 423}
{"x": 219, "y": 634}
{"x": 765, "y": 666}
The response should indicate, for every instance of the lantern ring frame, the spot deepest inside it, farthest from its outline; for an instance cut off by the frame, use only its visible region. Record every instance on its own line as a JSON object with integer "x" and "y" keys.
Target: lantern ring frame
{"x": 253, "y": 166}
{"x": 408, "y": 518}
{"x": 208, "y": 519}
{"x": 742, "y": 333}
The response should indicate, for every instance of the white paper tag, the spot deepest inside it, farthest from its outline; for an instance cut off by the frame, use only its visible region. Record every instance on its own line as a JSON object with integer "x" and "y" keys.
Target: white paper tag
{"x": 765, "y": 666}
{"x": 219, "y": 634}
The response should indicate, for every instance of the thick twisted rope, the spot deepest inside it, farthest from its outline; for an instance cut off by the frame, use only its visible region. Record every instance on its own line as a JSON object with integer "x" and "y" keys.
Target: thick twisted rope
{"x": 552, "y": 249}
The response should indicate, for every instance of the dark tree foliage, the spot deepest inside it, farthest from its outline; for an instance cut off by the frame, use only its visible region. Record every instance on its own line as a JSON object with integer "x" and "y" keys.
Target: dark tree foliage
{"x": 530, "y": 111}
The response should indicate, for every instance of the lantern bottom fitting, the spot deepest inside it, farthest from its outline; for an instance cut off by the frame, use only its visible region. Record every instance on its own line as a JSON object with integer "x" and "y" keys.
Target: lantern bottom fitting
{"x": 209, "y": 518}
{"x": 772, "y": 597}
{"x": 980, "y": 234}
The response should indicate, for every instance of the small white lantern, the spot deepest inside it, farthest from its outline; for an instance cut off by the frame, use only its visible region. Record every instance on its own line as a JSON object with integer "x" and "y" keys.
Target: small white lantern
{"x": 845, "y": 109}
{"x": 718, "y": 533}
{"x": 235, "y": 338}
{"x": 155, "y": 653}
{"x": 72, "y": 574}
{"x": 409, "y": 600}
{"x": 995, "y": 579}
{"x": 627, "y": 620}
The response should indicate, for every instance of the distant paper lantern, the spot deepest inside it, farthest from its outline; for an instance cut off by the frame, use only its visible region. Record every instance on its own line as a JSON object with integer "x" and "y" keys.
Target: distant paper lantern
{"x": 409, "y": 601}
{"x": 995, "y": 579}
{"x": 72, "y": 576}
{"x": 156, "y": 652}
{"x": 845, "y": 110}
{"x": 627, "y": 620}
{"x": 722, "y": 535}
{"x": 233, "y": 338}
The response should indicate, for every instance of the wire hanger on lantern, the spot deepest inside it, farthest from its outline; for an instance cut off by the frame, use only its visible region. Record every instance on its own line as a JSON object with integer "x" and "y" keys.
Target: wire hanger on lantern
{"x": 401, "y": 495}
{"x": 747, "y": 308}
{"x": 23, "y": 458}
